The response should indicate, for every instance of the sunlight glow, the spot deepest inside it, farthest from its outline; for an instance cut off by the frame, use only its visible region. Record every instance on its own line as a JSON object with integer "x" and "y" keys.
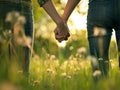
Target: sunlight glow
{"x": 78, "y": 21}
{"x": 62, "y": 44}
{"x": 64, "y": 1}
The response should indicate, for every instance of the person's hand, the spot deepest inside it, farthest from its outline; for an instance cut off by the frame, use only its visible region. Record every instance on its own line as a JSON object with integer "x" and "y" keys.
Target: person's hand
{"x": 61, "y": 32}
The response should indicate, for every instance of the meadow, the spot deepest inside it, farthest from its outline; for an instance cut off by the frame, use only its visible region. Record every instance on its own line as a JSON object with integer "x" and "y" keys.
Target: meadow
{"x": 61, "y": 68}
{"x": 53, "y": 65}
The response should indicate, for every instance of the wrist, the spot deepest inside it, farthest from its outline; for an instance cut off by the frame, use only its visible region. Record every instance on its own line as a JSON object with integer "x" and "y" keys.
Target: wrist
{"x": 64, "y": 19}
{"x": 60, "y": 23}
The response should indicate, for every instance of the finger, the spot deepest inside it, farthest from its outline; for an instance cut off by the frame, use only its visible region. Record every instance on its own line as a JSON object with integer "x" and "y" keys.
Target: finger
{"x": 59, "y": 38}
{"x": 66, "y": 38}
{"x": 68, "y": 35}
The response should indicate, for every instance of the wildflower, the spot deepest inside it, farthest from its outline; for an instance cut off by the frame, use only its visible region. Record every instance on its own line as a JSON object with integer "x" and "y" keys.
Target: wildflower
{"x": 47, "y": 56}
{"x": 21, "y": 20}
{"x": 71, "y": 57}
{"x": 12, "y": 16}
{"x": 68, "y": 76}
{"x": 51, "y": 71}
{"x": 64, "y": 74}
{"x": 56, "y": 63}
{"x": 77, "y": 69}
{"x": 71, "y": 47}
{"x": 97, "y": 73}
{"x": 64, "y": 65}
{"x": 36, "y": 82}
{"x": 52, "y": 57}
{"x": 93, "y": 60}
{"x": 82, "y": 52}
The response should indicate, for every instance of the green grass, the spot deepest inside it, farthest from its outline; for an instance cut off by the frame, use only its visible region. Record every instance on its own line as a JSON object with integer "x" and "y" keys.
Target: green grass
{"x": 52, "y": 74}
{"x": 62, "y": 69}
{"x": 71, "y": 75}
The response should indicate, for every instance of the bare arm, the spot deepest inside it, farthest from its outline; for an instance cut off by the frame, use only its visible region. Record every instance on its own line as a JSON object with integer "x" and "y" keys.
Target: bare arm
{"x": 70, "y": 6}
{"x": 50, "y": 9}
{"x": 62, "y": 29}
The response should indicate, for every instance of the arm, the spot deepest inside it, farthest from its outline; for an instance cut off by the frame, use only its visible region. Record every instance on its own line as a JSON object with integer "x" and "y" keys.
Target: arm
{"x": 70, "y": 6}
{"x": 62, "y": 28}
{"x": 51, "y": 11}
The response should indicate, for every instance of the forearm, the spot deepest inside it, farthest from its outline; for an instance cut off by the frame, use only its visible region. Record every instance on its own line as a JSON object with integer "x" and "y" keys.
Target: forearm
{"x": 51, "y": 11}
{"x": 71, "y": 4}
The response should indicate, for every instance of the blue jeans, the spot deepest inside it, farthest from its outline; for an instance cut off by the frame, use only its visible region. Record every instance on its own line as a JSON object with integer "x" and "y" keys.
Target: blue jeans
{"x": 22, "y": 53}
{"x": 103, "y": 17}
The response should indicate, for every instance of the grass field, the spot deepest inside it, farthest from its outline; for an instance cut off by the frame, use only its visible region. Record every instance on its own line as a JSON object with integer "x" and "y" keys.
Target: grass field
{"x": 56, "y": 68}
{"x": 51, "y": 74}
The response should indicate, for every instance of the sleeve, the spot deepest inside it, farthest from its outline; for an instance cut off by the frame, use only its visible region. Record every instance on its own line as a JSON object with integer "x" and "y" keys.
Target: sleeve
{"x": 42, "y": 2}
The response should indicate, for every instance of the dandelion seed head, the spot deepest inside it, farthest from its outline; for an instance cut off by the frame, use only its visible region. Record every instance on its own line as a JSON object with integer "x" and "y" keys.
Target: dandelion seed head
{"x": 21, "y": 19}
{"x": 52, "y": 57}
{"x": 97, "y": 73}
{"x": 82, "y": 51}
{"x": 64, "y": 65}
{"x": 36, "y": 82}
{"x": 71, "y": 47}
{"x": 49, "y": 70}
{"x": 12, "y": 16}
{"x": 53, "y": 72}
{"x": 93, "y": 60}
{"x": 68, "y": 76}
{"x": 64, "y": 74}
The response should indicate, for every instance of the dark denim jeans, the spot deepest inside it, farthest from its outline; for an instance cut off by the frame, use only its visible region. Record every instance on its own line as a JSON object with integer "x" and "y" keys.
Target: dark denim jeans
{"x": 103, "y": 17}
{"x": 22, "y": 53}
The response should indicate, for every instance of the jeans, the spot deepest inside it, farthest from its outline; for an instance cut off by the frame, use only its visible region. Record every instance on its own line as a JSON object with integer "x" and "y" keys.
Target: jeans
{"x": 18, "y": 53}
{"x": 103, "y": 17}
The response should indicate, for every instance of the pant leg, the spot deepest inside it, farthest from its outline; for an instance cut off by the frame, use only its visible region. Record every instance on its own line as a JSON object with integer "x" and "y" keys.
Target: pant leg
{"x": 117, "y": 28}
{"x": 99, "y": 48}
{"x": 99, "y": 26}
{"x": 19, "y": 53}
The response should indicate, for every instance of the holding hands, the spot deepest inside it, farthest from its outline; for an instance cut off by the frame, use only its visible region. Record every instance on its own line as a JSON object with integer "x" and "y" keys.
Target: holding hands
{"x": 61, "y": 32}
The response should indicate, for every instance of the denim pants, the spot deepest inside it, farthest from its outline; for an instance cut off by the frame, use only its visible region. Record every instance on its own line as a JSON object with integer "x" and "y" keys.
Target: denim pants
{"x": 103, "y": 17}
{"x": 20, "y": 53}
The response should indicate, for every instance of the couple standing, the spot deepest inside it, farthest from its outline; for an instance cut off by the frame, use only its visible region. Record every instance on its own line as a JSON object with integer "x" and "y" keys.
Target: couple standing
{"x": 103, "y": 16}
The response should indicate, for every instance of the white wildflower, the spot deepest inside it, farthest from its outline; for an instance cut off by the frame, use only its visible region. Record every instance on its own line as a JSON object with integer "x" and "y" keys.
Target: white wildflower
{"x": 12, "y": 16}
{"x": 52, "y": 57}
{"x": 64, "y": 74}
{"x": 97, "y": 73}
{"x": 21, "y": 20}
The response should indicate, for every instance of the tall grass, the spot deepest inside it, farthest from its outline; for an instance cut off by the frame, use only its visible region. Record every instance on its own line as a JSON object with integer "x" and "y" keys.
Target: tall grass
{"x": 53, "y": 70}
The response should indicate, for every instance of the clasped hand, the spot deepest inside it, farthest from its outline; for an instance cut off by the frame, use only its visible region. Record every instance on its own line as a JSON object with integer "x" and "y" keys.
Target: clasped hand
{"x": 61, "y": 32}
